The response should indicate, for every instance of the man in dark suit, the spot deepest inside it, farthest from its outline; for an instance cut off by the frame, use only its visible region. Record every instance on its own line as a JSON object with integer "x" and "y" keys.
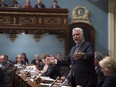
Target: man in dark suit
{"x": 81, "y": 59}
{"x": 36, "y": 61}
{"x": 100, "y": 76}
{"x": 1, "y": 77}
{"x": 55, "y": 4}
{"x": 53, "y": 70}
{"x": 3, "y": 4}
{"x": 39, "y": 5}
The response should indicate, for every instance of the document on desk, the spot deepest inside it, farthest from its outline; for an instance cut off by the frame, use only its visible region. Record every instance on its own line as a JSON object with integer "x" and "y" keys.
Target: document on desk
{"x": 46, "y": 78}
{"x": 45, "y": 84}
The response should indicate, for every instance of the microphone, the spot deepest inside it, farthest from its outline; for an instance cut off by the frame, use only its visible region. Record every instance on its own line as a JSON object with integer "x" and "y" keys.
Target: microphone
{"x": 64, "y": 82}
{"x": 27, "y": 70}
{"x": 36, "y": 76}
{"x": 54, "y": 82}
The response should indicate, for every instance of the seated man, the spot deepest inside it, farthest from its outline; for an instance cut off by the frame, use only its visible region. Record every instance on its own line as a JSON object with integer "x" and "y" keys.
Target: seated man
{"x": 55, "y": 4}
{"x": 52, "y": 70}
{"x": 1, "y": 77}
{"x": 39, "y": 5}
{"x": 36, "y": 60}
{"x": 6, "y": 70}
{"x": 3, "y": 4}
{"x": 100, "y": 76}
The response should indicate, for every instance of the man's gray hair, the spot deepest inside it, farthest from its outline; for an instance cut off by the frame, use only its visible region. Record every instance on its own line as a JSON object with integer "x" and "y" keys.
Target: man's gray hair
{"x": 77, "y": 28}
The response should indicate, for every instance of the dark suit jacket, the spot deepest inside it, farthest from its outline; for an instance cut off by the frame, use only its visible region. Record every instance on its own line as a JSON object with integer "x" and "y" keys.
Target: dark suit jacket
{"x": 3, "y": 5}
{"x": 1, "y": 77}
{"x": 40, "y": 6}
{"x": 34, "y": 62}
{"x": 110, "y": 81}
{"x": 100, "y": 76}
{"x": 82, "y": 70}
{"x": 52, "y": 71}
{"x": 57, "y": 6}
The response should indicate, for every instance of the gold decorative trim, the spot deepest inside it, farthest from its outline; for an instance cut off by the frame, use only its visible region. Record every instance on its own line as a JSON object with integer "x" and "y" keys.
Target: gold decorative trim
{"x": 80, "y": 14}
{"x": 5, "y": 19}
{"x": 36, "y": 37}
{"x": 65, "y": 21}
{"x": 27, "y": 20}
{"x": 14, "y": 20}
{"x": 31, "y": 13}
{"x": 40, "y": 21}
{"x": 13, "y": 37}
{"x": 53, "y": 20}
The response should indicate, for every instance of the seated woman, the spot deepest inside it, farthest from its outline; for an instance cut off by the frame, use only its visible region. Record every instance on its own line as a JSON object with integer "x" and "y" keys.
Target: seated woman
{"x": 108, "y": 67}
{"x": 27, "y": 4}
{"x": 24, "y": 58}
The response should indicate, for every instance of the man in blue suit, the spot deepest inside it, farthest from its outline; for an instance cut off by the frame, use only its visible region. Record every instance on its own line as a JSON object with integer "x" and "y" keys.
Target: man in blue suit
{"x": 81, "y": 59}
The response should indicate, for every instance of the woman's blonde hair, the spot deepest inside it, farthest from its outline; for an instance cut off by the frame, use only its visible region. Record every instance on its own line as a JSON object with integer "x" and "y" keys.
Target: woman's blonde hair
{"x": 108, "y": 63}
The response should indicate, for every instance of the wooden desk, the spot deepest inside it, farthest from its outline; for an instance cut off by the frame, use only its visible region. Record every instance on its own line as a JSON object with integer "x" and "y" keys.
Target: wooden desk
{"x": 23, "y": 81}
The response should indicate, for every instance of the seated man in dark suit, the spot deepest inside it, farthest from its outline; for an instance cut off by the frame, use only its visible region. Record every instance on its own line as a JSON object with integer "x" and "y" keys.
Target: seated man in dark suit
{"x": 39, "y": 5}
{"x": 55, "y": 4}
{"x": 1, "y": 77}
{"x": 52, "y": 70}
{"x": 36, "y": 61}
{"x": 100, "y": 76}
{"x": 3, "y": 4}
{"x": 6, "y": 69}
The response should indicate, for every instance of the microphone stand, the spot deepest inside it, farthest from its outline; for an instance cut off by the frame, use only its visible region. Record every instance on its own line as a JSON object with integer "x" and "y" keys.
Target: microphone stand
{"x": 54, "y": 82}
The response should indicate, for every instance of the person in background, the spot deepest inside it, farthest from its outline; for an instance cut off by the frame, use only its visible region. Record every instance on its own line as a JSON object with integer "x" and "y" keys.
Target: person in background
{"x": 108, "y": 67}
{"x": 19, "y": 60}
{"x": 100, "y": 76}
{"x": 1, "y": 77}
{"x": 52, "y": 70}
{"x": 15, "y": 4}
{"x": 24, "y": 58}
{"x": 45, "y": 66}
{"x": 81, "y": 59}
{"x": 55, "y": 4}
{"x": 3, "y": 4}
{"x": 37, "y": 60}
{"x": 8, "y": 60}
{"x": 58, "y": 56}
{"x": 4, "y": 63}
{"x": 27, "y": 4}
{"x": 40, "y": 4}
{"x": 6, "y": 68}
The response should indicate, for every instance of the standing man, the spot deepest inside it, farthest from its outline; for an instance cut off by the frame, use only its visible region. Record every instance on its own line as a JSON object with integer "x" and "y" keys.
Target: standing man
{"x": 81, "y": 59}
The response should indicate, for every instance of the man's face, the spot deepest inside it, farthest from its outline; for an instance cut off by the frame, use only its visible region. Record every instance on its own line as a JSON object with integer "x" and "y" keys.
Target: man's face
{"x": 77, "y": 36}
{"x": 40, "y": 1}
{"x": 37, "y": 57}
{"x": 2, "y": 59}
